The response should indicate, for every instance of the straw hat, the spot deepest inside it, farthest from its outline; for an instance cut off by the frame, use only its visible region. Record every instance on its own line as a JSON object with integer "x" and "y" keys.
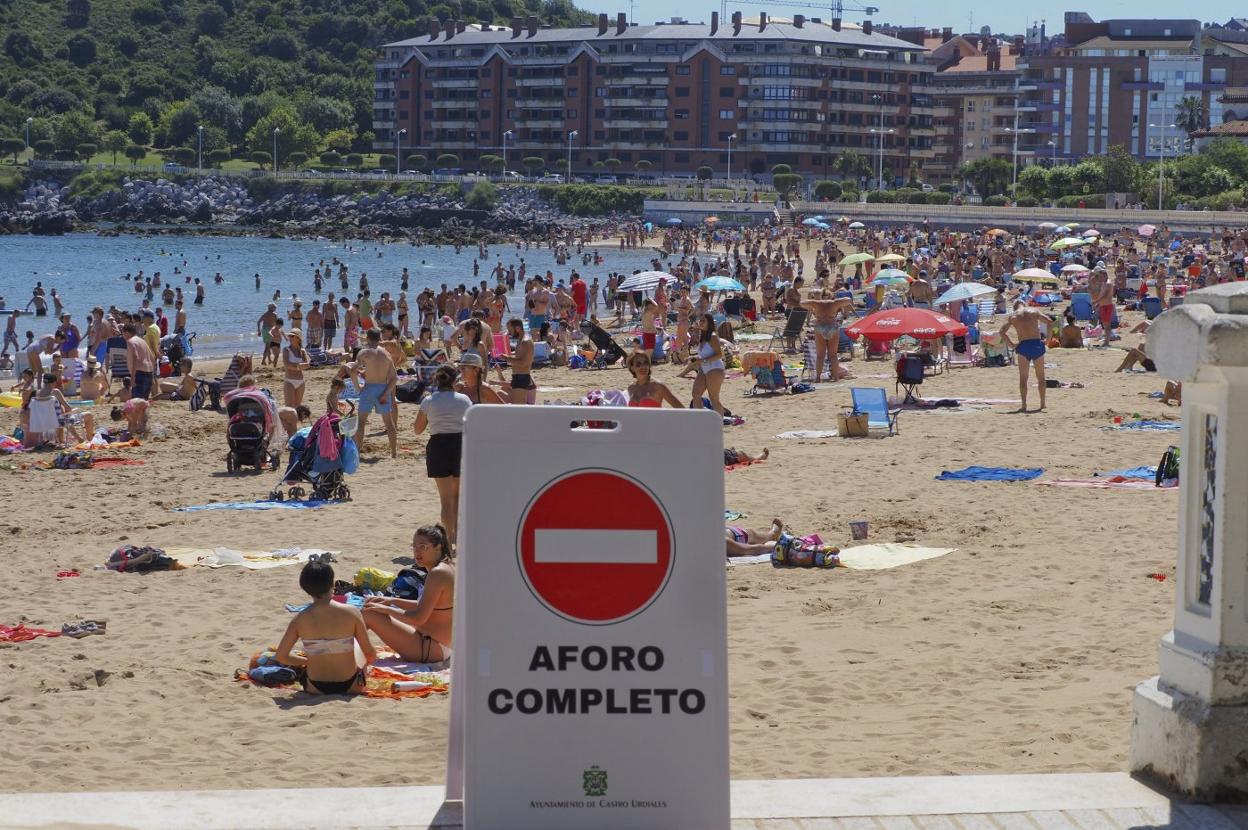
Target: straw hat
{"x": 471, "y": 359}
{"x": 293, "y": 334}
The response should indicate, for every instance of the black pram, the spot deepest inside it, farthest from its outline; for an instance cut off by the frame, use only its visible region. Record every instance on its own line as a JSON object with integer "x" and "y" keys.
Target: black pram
{"x": 609, "y": 352}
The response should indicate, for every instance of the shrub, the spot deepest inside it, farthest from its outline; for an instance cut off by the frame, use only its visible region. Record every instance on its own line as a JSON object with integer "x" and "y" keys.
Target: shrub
{"x": 262, "y": 157}
{"x": 86, "y": 150}
{"x": 918, "y": 198}
{"x": 483, "y": 196}
{"x": 939, "y": 198}
{"x": 948, "y": 188}
{"x": 828, "y": 190}
{"x": 44, "y": 148}
{"x": 1027, "y": 201}
{"x": 331, "y": 159}
{"x": 297, "y": 160}
{"x": 995, "y": 201}
{"x": 218, "y": 157}
{"x": 1092, "y": 200}
{"x": 595, "y": 200}
{"x": 881, "y": 197}
{"x": 387, "y": 162}
{"x": 91, "y": 184}
{"x": 136, "y": 153}
{"x": 355, "y": 160}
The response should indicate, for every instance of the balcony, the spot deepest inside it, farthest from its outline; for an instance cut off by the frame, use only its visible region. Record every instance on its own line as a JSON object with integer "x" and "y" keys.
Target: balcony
{"x": 383, "y": 84}
{"x": 760, "y": 124}
{"x": 638, "y": 80}
{"x": 540, "y": 82}
{"x": 1034, "y": 86}
{"x": 383, "y": 125}
{"x": 1156, "y": 86}
{"x": 453, "y": 83}
{"x": 540, "y": 123}
{"x": 454, "y": 103}
{"x": 538, "y": 103}
{"x": 785, "y": 103}
{"x": 634, "y": 124}
{"x": 636, "y": 102}
{"x": 781, "y": 80}
{"x": 455, "y": 123}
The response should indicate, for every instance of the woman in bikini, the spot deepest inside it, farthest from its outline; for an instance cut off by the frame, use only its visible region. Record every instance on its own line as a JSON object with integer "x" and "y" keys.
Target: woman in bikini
{"x": 709, "y": 364}
{"x": 472, "y": 380}
{"x": 420, "y": 630}
{"x": 294, "y": 359}
{"x": 646, "y": 392}
{"x": 335, "y": 639}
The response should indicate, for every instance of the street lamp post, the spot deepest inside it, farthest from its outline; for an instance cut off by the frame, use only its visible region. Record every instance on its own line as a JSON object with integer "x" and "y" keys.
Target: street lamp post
{"x": 276, "y": 132}
{"x": 731, "y": 138}
{"x": 571, "y": 136}
{"x": 880, "y": 155}
{"x": 506, "y": 135}
{"x": 29, "y": 121}
{"x": 1053, "y": 163}
{"x": 398, "y": 150}
{"x": 1015, "y": 130}
{"x": 199, "y": 149}
{"x": 1161, "y": 165}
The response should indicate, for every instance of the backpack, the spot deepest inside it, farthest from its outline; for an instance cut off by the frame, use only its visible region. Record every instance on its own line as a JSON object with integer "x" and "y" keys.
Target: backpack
{"x": 410, "y": 392}
{"x": 1168, "y": 467}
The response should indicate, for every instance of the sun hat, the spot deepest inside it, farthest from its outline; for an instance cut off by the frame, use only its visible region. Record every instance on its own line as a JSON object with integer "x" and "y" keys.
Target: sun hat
{"x": 471, "y": 359}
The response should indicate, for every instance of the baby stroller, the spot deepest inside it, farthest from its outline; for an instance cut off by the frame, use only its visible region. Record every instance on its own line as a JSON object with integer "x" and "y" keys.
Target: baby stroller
{"x": 251, "y": 420}
{"x": 609, "y": 351}
{"x": 311, "y": 474}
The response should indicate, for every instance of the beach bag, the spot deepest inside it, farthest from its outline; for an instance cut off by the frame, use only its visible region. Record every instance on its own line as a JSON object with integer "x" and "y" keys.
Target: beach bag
{"x": 198, "y": 397}
{"x": 374, "y": 579}
{"x": 806, "y": 552}
{"x": 349, "y": 455}
{"x": 409, "y": 584}
{"x": 410, "y": 392}
{"x": 852, "y": 424}
{"x": 1167, "y": 468}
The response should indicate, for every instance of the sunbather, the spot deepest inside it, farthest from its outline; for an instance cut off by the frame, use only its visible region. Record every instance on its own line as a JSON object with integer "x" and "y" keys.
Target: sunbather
{"x": 335, "y": 639}
{"x": 645, "y": 391}
{"x": 179, "y": 388}
{"x": 742, "y": 541}
{"x": 420, "y": 630}
{"x": 732, "y": 456}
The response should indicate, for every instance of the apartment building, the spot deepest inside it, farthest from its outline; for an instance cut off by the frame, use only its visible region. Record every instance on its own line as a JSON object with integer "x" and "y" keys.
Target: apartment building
{"x": 1121, "y": 82}
{"x": 737, "y": 95}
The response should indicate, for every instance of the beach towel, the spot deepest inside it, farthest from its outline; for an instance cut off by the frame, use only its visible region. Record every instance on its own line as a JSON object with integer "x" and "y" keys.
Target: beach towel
{"x": 252, "y": 560}
{"x": 732, "y": 515}
{"x": 809, "y": 433}
{"x": 379, "y": 678}
{"x": 887, "y": 555}
{"x": 20, "y": 633}
{"x": 310, "y": 504}
{"x": 740, "y": 464}
{"x": 354, "y": 600}
{"x": 1149, "y": 473}
{"x": 1114, "y": 483}
{"x": 991, "y": 474}
{"x": 105, "y": 463}
{"x": 1146, "y": 426}
{"x": 749, "y": 560}
{"x": 990, "y": 401}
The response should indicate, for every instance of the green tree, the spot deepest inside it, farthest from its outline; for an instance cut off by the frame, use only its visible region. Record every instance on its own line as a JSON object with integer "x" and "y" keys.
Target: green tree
{"x": 483, "y": 196}
{"x": 1190, "y": 115}
{"x": 1230, "y": 154}
{"x": 387, "y": 161}
{"x": 114, "y": 141}
{"x": 136, "y": 153}
{"x": 851, "y": 165}
{"x": 1121, "y": 170}
{"x": 355, "y": 160}
{"x": 74, "y": 128}
{"x": 294, "y": 136}
{"x": 1089, "y": 175}
{"x": 643, "y": 165}
{"x": 491, "y": 163}
{"x": 22, "y": 48}
{"x": 989, "y": 175}
{"x": 177, "y": 123}
{"x": 12, "y": 146}
{"x": 416, "y": 160}
{"x": 297, "y": 159}
{"x": 828, "y": 190}
{"x": 1061, "y": 181}
{"x": 210, "y": 21}
{"x": 86, "y": 150}
{"x": 533, "y": 164}
{"x": 614, "y": 164}
{"x": 785, "y": 181}
{"x": 263, "y": 158}
{"x": 329, "y": 158}
{"x": 1034, "y": 181}
{"x": 77, "y": 13}
{"x": 185, "y": 156}
{"x": 447, "y": 161}
{"x": 340, "y": 140}
{"x": 218, "y": 157}
{"x": 81, "y": 50}
{"x": 44, "y": 148}
{"x": 704, "y": 174}
{"x": 140, "y": 129}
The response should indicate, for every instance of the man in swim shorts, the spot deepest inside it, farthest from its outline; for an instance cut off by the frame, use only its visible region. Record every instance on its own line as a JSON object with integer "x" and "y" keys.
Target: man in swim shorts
{"x": 1101, "y": 287}
{"x": 377, "y": 391}
{"x": 1032, "y": 327}
{"x": 521, "y": 360}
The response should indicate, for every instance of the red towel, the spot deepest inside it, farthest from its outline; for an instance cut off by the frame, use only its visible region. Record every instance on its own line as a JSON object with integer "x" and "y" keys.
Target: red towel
{"x": 20, "y": 633}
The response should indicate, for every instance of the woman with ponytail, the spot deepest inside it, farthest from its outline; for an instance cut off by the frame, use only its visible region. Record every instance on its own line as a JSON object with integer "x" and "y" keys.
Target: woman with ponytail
{"x": 420, "y": 630}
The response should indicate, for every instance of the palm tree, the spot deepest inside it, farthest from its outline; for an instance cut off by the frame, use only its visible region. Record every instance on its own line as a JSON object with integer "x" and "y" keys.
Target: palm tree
{"x": 1190, "y": 115}
{"x": 851, "y": 165}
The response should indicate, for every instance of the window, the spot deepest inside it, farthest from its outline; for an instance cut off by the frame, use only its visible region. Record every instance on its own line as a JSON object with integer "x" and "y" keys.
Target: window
{"x": 600, "y": 113}
{"x": 727, "y": 70}
{"x": 511, "y": 93}
{"x": 403, "y": 114}
{"x": 682, "y": 114}
{"x": 682, "y": 135}
{"x": 682, "y": 158}
{"x": 1217, "y": 76}
{"x": 682, "y": 70}
{"x": 485, "y": 113}
{"x": 572, "y": 92}
{"x": 485, "y": 93}
{"x": 682, "y": 92}
{"x": 727, "y": 115}
{"x": 970, "y": 126}
{"x": 403, "y": 93}
{"x": 511, "y": 73}
{"x": 726, "y": 92}
{"x": 428, "y": 94}
{"x": 571, "y": 71}
{"x": 571, "y": 114}
{"x": 724, "y": 135}
{"x": 970, "y": 106}
{"x": 485, "y": 73}
{"x": 599, "y": 135}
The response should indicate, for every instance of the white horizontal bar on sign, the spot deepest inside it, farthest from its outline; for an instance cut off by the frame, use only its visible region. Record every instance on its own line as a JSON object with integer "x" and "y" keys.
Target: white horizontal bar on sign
{"x": 595, "y": 547}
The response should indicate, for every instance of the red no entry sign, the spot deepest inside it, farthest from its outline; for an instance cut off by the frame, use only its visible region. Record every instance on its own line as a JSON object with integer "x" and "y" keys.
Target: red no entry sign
{"x": 595, "y": 547}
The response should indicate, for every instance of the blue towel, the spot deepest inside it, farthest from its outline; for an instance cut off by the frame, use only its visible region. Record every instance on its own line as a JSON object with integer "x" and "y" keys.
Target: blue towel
{"x": 354, "y": 600}
{"x": 1149, "y": 473}
{"x": 1147, "y": 426}
{"x": 310, "y": 504}
{"x": 732, "y": 515}
{"x": 991, "y": 474}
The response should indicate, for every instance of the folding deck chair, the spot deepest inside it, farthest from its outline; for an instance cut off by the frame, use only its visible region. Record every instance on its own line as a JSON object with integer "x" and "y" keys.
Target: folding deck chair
{"x": 793, "y": 327}
{"x": 874, "y": 402}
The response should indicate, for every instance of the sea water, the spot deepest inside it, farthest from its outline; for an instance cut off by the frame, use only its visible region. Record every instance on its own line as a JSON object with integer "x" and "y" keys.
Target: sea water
{"x": 89, "y": 270}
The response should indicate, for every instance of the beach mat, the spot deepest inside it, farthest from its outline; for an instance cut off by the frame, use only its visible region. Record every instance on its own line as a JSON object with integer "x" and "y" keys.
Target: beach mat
{"x": 310, "y": 504}
{"x": 758, "y": 559}
{"x": 1149, "y": 473}
{"x": 1145, "y": 426}
{"x": 252, "y": 560}
{"x": 1114, "y": 483}
{"x": 809, "y": 433}
{"x": 991, "y": 474}
{"x": 887, "y": 555}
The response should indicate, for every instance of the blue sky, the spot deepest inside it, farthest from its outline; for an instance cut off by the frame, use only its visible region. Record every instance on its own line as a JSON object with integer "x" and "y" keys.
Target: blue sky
{"x": 1008, "y": 18}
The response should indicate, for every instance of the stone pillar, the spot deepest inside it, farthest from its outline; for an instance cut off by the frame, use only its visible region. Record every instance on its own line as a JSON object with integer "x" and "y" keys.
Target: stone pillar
{"x": 1190, "y": 728}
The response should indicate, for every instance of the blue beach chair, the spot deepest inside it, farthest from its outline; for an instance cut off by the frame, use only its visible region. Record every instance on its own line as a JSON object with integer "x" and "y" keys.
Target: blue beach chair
{"x": 874, "y": 401}
{"x": 1081, "y": 305}
{"x": 1152, "y": 307}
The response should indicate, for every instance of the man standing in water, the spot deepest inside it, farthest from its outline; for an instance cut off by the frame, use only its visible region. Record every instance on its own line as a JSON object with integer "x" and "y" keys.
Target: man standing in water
{"x": 377, "y": 390}
{"x": 1031, "y": 327}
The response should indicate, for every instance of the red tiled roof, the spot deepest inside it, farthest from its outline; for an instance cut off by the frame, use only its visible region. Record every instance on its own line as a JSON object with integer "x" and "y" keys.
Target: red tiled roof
{"x": 1232, "y": 128}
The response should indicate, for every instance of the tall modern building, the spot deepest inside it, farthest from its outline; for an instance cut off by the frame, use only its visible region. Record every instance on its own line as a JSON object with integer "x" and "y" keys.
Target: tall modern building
{"x": 1122, "y": 82}
{"x": 740, "y": 95}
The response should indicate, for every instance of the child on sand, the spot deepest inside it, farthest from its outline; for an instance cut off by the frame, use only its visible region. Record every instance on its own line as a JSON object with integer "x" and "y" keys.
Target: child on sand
{"x": 335, "y": 641}
{"x": 134, "y": 411}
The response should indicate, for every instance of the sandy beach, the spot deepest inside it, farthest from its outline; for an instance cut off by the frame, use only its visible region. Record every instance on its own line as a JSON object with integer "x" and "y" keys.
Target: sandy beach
{"x": 1015, "y": 653}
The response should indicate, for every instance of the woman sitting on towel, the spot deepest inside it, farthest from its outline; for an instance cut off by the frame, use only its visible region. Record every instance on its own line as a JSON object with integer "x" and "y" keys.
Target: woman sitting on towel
{"x": 334, "y": 637}
{"x": 420, "y": 630}
{"x": 645, "y": 391}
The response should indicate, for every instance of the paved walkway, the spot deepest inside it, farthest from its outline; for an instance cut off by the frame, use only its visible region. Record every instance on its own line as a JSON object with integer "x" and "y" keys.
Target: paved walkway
{"x": 1104, "y": 801}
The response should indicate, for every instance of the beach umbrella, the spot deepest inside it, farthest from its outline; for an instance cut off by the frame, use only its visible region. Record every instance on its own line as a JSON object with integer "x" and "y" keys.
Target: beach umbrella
{"x": 648, "y": 226}
{"x": 1090, "y": 232}
{"x": 1037, "y": 273}
{"x": 819, "y": 216}
{"x": 711, "y": 220}
{"x": 1063, "y": 229}
{"x": 644, "y": 281}
{"x": 1072, "y": 224}
{"x": 996, "y": 232}
{"x": 675, "y": 220}
{"x": 918, "y": 323}
{"x": 890, "y": 276}
{"x": 824, "y": 226}
{"x": 1075, "y": 268}
{"x": 720, "y": 284}
{"x": 1146, "y": 230}
{"x": 1068, "y": 242}
{"x": 856, "y": 226}
{"x": 854, "y": 259}
{"x": 813, "y": 221}
{"x": 1048, "y": 226}
{"x": 890, "y": 258}
{"x": 965, "y": 291}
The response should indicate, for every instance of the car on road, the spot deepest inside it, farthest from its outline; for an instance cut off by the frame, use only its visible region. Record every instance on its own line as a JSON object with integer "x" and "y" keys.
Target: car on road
{"x": 552, "y": 178}
{"x": 170, "y": 167}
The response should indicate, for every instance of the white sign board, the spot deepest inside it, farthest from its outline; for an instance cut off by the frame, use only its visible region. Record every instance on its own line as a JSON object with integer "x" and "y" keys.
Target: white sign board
{"x": 589, "y": 684}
